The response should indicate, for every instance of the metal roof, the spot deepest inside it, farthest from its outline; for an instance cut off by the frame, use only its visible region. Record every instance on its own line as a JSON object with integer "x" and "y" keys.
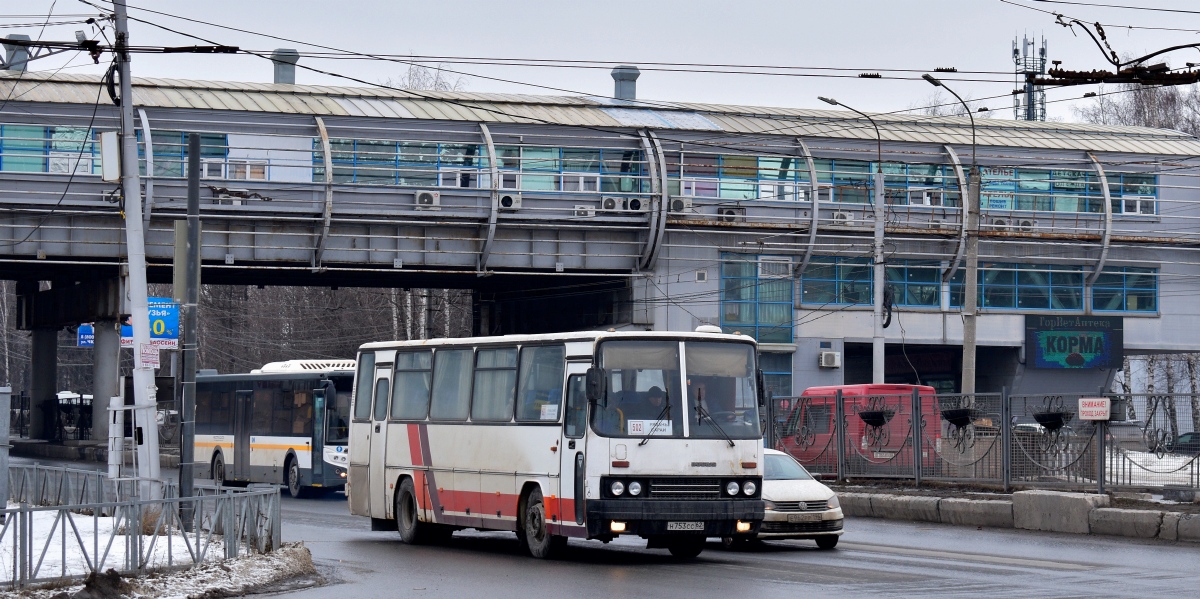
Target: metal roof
{"x": 598, "y": 112}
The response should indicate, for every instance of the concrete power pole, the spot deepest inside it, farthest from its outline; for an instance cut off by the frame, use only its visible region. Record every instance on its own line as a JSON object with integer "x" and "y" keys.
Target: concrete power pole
{"x": 970, "y": 283}
{"x": 879, "y": 277}
{"x": 144, "y": 358}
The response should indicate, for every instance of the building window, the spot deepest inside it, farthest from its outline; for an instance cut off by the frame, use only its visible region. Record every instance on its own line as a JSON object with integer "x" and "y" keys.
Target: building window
{"x": 836, "y": 280}
{"x": 915, "y": 282}
{"x": 1024, "y": 287}
{"x": 756, "y": 297}
{"x": 1065, "y": 190}
{"x": 170, "y": 152}
{"x": 1126, "y": 289}
{"x": 777, "y": 373}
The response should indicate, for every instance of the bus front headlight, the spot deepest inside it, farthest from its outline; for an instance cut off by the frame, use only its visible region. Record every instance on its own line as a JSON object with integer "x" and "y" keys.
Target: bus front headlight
{"x": 635, "y": 488}
{"x": 732, "y": 487}
{"x": 617, "y": 488}
{"x": 749, "y": 488}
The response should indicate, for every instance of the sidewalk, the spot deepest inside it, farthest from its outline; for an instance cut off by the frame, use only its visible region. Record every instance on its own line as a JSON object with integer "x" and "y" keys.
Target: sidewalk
{"x": 1135, "y": 515}
{"x": 78, "y": 451}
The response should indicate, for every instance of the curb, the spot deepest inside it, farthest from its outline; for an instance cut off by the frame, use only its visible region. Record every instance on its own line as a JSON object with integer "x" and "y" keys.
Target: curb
{"x": 1078, "y": 513}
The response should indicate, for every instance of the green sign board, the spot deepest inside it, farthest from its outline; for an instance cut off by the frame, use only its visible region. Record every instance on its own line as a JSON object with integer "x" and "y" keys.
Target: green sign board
{"x": 1074, "y": 341}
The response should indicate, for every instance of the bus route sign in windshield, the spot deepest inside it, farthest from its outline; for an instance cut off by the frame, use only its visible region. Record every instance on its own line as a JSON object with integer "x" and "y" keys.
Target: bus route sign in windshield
{"x": 1074, "y": 341}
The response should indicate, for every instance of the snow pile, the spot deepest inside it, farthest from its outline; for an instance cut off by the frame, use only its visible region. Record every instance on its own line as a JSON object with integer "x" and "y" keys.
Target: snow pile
{"x": 211, "y": 580}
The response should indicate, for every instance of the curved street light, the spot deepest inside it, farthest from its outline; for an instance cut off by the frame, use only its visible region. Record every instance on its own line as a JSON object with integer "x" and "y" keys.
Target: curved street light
{"x": 971, "y": 268}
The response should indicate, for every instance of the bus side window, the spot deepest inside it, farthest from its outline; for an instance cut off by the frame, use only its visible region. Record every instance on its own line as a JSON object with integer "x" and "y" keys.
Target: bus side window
{"x": 451, "y": 384}
{"x": 539, "y": 391}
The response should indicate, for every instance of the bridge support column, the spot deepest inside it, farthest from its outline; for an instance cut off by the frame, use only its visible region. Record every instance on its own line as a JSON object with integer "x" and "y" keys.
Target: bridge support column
{"x": 106, "y": 357}
{"x": 44, "y": 383}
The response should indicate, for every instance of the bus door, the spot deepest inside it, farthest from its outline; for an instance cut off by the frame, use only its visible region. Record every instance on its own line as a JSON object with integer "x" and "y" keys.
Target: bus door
{"x": 573, "y": 466}
{"x": 318, "y": 434}
{"x": 241, "y": 435}
{"x": 378, "y": 496}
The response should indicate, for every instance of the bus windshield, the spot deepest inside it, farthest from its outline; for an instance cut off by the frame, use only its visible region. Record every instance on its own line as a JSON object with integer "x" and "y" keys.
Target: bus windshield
{"x": 646, "y": 394}
{"x": 337, "y": 415}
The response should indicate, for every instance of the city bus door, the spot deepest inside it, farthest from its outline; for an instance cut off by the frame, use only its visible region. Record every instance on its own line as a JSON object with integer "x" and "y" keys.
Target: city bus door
{"x": 572, "y": 472}
{"x": 378, "y": 495}
{"x": 241, "y": 435}
{"x": 318, "y": 436}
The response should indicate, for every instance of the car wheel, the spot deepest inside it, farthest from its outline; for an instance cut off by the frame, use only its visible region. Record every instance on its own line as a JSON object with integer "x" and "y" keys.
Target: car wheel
{"x": 735, "y": 543}
{"x": 827, "y": 541}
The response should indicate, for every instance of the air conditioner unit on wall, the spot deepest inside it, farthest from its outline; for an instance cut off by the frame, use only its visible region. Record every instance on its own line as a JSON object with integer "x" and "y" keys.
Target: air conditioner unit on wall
{"x": 679, "y": 205}
{"x": 1000, "y": 224}
{"x": 727, "y": 214}
{"x": 843, "y": 218}
{"x": 1025, "y": 225}
{"x": 618, "y": 204}
{"x": 510, "y": 202}
{"x": 585, "y": 211}
{"x": 829, "y": 359}
{"x": 428, "y": 200}
{"x": 611, "y": 204}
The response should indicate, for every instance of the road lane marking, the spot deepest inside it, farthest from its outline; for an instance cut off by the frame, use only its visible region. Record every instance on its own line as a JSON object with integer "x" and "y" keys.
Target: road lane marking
{"x": 972, "y": 557}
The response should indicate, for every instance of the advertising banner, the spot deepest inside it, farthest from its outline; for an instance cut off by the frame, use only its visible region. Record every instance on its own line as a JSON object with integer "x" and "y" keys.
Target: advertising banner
{"x": 1074, "y": 341}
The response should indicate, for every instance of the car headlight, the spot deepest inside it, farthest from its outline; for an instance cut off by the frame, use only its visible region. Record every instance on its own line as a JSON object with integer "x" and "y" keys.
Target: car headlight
{"x": 635, "y": 488}
{"x": 749, "y": 488}
{"x": 617, "y": 488}
{"x": 732, "y": 488}
{"x": 834, "y": 503}
{"x": 769, "y": 505}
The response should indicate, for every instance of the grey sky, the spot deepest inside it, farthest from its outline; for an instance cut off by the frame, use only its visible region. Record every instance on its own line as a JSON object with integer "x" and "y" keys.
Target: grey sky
{"x": 972, "y": 35}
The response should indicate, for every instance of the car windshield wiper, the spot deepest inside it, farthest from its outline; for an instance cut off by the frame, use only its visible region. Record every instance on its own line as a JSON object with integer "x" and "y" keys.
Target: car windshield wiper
{"x": 663, "y": 415}
{"x": 701, "y": 414}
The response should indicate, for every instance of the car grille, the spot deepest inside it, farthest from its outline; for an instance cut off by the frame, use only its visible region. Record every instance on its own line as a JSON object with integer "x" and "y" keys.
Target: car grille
{"x": 822, "y": 526}
{"x": 801, "y": 506}
{"x": 684, "y": 488}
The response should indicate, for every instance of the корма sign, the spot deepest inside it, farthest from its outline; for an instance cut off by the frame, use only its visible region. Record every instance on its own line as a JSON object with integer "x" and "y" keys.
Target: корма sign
{"x": 1074, "y": 341}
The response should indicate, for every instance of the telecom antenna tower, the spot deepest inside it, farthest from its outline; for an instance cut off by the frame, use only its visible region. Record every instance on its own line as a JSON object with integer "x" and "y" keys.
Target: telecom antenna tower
{"x": 1029, "y": 101}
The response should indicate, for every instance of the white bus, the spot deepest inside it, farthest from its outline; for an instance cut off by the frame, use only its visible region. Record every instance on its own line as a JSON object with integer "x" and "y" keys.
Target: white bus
{"x": 285, "y": 423}
{"x": 588, "y": 435}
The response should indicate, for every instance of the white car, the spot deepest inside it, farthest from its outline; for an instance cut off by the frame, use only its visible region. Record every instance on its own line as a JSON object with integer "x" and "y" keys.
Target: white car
{"x": 798, "y": 506}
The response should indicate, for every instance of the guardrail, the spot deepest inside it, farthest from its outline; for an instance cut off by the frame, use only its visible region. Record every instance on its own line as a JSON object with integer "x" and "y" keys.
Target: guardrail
{"x": 71, "y": 523}
{"x": 1028, "y": 441}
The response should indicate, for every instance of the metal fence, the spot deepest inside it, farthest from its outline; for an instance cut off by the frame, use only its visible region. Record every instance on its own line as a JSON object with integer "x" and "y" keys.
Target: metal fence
{"x": 70, "y": 523}
{"x": 996, "y": 439}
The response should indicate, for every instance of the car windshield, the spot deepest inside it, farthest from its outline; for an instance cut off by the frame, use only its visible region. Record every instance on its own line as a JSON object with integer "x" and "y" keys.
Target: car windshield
{"x": 645, "y": 390}
{"x": 783, "y": 467}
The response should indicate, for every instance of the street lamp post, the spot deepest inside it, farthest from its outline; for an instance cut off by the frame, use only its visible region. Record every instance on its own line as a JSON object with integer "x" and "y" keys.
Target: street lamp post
{"x": 971, "y": 276}
{"x": 877, "y": 340}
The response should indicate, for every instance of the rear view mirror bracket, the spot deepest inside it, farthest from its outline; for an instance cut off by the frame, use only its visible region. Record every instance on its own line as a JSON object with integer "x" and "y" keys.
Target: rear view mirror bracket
{"x": 595, "y": 386}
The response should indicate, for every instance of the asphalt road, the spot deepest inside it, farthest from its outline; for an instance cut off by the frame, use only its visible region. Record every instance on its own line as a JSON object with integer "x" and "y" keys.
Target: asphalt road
{"x": 875, "y": 558}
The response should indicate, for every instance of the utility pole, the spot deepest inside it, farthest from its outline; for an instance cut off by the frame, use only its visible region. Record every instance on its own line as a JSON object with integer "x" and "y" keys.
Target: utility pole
{"x": 878, "y": 354}
{"x": 190, "y": 301}
{"x": 970, "y": 283}
{"x": 144, "y": 356}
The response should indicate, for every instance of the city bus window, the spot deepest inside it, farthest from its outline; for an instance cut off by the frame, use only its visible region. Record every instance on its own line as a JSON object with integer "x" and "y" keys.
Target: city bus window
{"x": 260, "y": 415}
{"x": 451, "y": 385}
{"x": 410, "y": 394}
{"x": 644, "y": 397}
{"x": 495, "y": 383}
{"x": 539, "y": 391}
{"x": 302, "y": 413}
{"x": 337, "y": 429}
{"x": 576, "y": 418}
{"x": 381, "y": 397}
{"x": 363, "y": 380}
{"x": 721, "y": 390}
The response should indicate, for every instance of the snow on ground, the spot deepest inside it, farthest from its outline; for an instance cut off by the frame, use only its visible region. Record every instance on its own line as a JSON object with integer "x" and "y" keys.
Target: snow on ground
{"x": 1146, "y": 469}
{"x": 61, "y": 552}
{"x": 210, "y": 580}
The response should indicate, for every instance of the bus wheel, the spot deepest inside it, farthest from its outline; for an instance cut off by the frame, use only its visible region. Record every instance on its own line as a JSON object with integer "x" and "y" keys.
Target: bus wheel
{"x": 218, "y": 471}
{"x": 686, "y": 548}
{"x": 537, "y": 538}
{"x": 293, "y": 479}
{"x": 412, "y": 530}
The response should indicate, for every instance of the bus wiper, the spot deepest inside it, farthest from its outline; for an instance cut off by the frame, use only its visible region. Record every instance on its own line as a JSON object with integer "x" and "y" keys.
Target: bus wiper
{"x": 701, "y": 414}
{"x": 664, "y": 414}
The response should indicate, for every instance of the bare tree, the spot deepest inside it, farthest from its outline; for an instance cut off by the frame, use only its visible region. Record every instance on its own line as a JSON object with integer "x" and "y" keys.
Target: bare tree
{"x": 418, "y": 77}
{"x": 1194, "y": 389}
{"x": 942, "y": 104}
{"x": 1135, "y": 105}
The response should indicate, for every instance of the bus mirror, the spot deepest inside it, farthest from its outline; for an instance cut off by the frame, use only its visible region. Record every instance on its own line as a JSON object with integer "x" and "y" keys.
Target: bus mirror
{"x": 595, "y": 385}
{"x": 762, "y": 391}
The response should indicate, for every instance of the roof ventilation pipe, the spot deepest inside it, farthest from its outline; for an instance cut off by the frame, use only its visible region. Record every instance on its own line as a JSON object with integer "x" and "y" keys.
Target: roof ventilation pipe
{"x": 16, "y": 58}
{"x": 625, "y": 82}
{"x": 285, "y": 60}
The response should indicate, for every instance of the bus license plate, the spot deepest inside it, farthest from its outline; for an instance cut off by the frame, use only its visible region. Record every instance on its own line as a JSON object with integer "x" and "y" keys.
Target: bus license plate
{"x": 692, "y": 526}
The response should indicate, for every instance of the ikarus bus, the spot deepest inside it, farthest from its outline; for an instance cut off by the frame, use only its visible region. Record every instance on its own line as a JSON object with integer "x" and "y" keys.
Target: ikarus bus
{"x": 589, "y": 435}
{"x": 285, "y": 423}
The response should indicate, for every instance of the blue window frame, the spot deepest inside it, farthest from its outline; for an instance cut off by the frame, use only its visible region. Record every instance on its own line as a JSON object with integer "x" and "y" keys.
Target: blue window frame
{"x": 915, "y": 282}
{"x": 1065, "y": 190}
{"x": 777, "y": 373}
{"x": 1007, "y": 286}
{"x": 837, "y": 280}
{"x": 39, "y": 149}
{"x": 170, "y": 151}
{"x": 756, "y": 297}
{"x": 1126, "y": 289}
